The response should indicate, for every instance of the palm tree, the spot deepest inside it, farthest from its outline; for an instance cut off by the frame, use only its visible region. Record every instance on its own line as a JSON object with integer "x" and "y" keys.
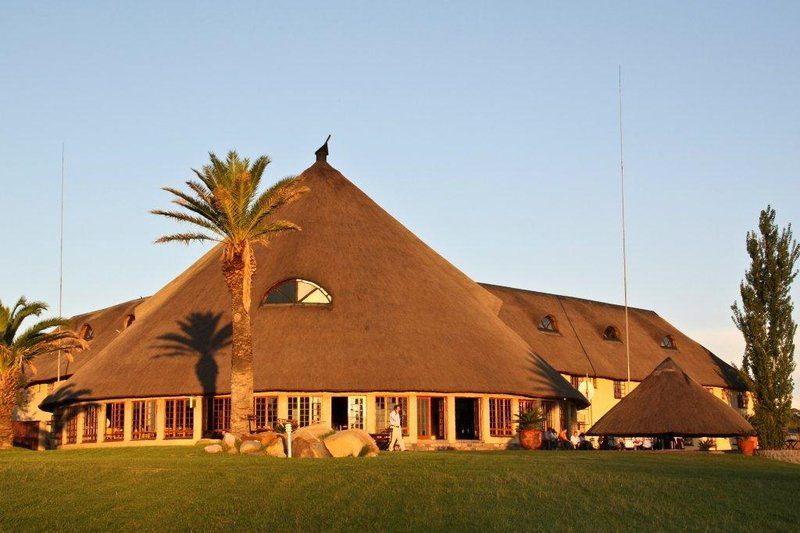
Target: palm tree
{"x": 19, "y": 349}
{"x": 226, "y": 207}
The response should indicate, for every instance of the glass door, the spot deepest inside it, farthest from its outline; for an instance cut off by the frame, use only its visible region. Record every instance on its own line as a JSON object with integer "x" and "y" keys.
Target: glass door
{"x": 356, "y": 409}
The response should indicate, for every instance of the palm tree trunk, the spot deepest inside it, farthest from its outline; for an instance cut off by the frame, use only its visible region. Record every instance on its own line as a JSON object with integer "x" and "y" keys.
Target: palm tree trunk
{"x": 238, "y": 271}
{"x": 9, "y": 392}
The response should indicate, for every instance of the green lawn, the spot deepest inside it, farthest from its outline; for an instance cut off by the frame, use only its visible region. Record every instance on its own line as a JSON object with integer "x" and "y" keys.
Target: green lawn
{"x": 184, "y": 488}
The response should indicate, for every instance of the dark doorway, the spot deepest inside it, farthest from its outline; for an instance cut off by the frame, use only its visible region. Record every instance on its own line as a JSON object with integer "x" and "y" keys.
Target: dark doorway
{"x": 339, "y": 412}
{"x": 468, "y": 418}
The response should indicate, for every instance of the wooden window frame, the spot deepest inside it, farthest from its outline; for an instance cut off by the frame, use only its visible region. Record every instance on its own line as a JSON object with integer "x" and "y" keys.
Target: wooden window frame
{"x": 500, "y": 420}
{"x": 383, "y": 408}
{"x": 265, "y": 411}
{"x": 619, "y": 389}
{"x": 143, "y": 423}
{"x": 179, "y": 419}
{"x": 90, "y": 423}
{"x": 71, "y": 425}
{"x": 305, "y": 410}
{"x": 115, "y": 416}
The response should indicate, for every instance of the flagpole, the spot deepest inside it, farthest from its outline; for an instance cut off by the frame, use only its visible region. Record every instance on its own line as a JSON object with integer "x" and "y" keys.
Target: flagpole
{"x": 624, "y": 238}
{"x": 61, "y": 258}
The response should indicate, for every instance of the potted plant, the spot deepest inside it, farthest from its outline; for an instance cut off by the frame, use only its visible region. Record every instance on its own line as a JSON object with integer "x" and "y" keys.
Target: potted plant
{"x": 747, "y": 444}
{"x": 529, "y": 426}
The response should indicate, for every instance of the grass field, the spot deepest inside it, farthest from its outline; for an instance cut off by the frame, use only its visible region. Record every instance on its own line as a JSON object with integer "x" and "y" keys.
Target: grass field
{"x": 184, "y": 488}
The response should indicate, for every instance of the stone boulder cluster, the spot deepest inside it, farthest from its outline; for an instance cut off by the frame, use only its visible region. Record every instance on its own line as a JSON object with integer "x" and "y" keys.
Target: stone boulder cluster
{"x": 315, "y": 441}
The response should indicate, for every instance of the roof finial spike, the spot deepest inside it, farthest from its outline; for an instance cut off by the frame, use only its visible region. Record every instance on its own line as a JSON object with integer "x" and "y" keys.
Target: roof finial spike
{"x": 322, "y": 151}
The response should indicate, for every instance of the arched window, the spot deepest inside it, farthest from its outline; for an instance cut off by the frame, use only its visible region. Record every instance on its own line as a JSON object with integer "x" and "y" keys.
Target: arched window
{"x": 297, "y": 291}
{"x": 548, "y": 324}
{"x": 128, "y": 321}
{"x": 87, "y": 333}
{"x": 668, "y": 342}
{"x": 611, "y": 334}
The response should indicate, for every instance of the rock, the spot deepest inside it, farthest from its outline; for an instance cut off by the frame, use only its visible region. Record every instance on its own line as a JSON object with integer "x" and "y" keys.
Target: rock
{"x": 314, "y": 431}
{"x": 202, "y": 443}
{"x": 230, "y": 440}
{"x": 309, "y": 447}
{"x": 266, "y": 438}
{"x": 275, "y": 449}
{"x": 250, "y": 446}
{"x": 351, "y": 443}
{"x": 213, "y": 448}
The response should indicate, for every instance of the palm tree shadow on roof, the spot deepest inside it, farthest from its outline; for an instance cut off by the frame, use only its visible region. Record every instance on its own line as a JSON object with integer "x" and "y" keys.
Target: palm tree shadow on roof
{"x": 200, "y": 336}
{"x": 64, "y": 395}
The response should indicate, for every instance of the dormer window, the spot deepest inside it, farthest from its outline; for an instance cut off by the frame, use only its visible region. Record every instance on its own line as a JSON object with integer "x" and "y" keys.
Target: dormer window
{"x": 611, "y": 334}
{"x": 668, "y": 343}
{"x": 87, "y": 333}
{"x": 548, "y": 324}
{"x": 128, "y": 321}
{"x": 297, "y": 291}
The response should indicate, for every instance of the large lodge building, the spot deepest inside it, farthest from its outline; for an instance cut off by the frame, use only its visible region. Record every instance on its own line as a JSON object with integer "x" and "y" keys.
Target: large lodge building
{"x": 350, "y": 316}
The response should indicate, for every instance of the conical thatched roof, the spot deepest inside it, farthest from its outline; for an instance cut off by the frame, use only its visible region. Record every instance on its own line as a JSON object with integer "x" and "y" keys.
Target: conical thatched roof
{"x": 669, "y": 402}
{"x": 402, "y": 318}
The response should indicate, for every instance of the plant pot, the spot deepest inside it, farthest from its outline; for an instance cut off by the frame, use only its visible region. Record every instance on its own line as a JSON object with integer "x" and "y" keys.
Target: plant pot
{"x": 530, "y": 439}
{"x": 747, "y": 445}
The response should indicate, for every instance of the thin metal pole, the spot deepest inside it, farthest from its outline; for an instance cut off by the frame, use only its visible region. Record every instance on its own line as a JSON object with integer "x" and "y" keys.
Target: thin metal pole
{"x": 61, "y": 257}
{"x": 624, "y": 239}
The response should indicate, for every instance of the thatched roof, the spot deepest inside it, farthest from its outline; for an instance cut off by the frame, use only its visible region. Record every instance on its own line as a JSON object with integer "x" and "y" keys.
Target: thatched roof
{"x": 402, "y": 318}
{"x": 669, "y": 402}
{"x": 580, "y": 349}
{"x": 106, "y": 324}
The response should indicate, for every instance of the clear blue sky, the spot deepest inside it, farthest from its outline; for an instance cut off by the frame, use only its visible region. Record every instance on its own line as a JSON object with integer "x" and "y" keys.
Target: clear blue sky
{"x": 490, "y": 131}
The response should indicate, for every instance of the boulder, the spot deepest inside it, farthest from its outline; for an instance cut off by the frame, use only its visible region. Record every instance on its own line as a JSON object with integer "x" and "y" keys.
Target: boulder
{"x": 202, "y": 443}
{"x": 250, "y": 446}
{"x": 351, "y": 443}
{"x": 230, "y": 440}
{"x": 213, "y": 448}
{"x": 275, "y": 449}
{"x": 309, "y": 447}
{"x": 266, "y": 438}
{"x": 314, "y": 431}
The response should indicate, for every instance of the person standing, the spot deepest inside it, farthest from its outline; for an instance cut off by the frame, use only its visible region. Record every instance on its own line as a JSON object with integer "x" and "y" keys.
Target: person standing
{"x": 396, "y": 425}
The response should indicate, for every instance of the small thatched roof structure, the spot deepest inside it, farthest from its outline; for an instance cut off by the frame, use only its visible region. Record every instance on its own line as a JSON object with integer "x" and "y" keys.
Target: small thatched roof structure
{"x": 669, "y": 402}
{"x": 402, "y": 318}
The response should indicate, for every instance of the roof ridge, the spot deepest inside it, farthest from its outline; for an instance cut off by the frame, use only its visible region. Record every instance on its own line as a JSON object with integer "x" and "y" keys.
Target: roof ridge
{"x": 567, "y": 296}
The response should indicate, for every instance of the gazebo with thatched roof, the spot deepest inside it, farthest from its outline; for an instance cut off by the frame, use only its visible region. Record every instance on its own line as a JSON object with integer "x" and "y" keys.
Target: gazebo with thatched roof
{"x": 669, "y": 402}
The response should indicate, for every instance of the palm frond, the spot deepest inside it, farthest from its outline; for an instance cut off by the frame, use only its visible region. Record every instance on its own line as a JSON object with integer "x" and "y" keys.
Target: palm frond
{"x": 185, "y": 217}
{"x": 185, "y": 238}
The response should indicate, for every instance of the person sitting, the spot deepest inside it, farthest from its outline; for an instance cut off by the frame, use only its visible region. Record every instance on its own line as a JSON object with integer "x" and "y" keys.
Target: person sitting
{"x": 553, "y": 438}
{"x": 628, "y": 443}
{"x": 563, "y": 440}
{"x": 585, "y": 444}
{"x": 575, "y": 440}
{"x": 647, "y": 443}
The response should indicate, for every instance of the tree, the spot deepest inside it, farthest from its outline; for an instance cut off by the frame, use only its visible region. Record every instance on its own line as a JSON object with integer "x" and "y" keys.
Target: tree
{"x": 226, "y": 207}
{"x": 19, "y": 349}
{"x": 765, "y": 320}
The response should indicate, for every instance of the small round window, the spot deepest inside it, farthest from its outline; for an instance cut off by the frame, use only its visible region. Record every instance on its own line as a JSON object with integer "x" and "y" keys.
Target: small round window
{"x": 297, "y": 291}
{"x": 87, "y": 333}
{"x": 668, "y": 342}
{"x": 548, "y": 324}
{"x": 611, "y": 334}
